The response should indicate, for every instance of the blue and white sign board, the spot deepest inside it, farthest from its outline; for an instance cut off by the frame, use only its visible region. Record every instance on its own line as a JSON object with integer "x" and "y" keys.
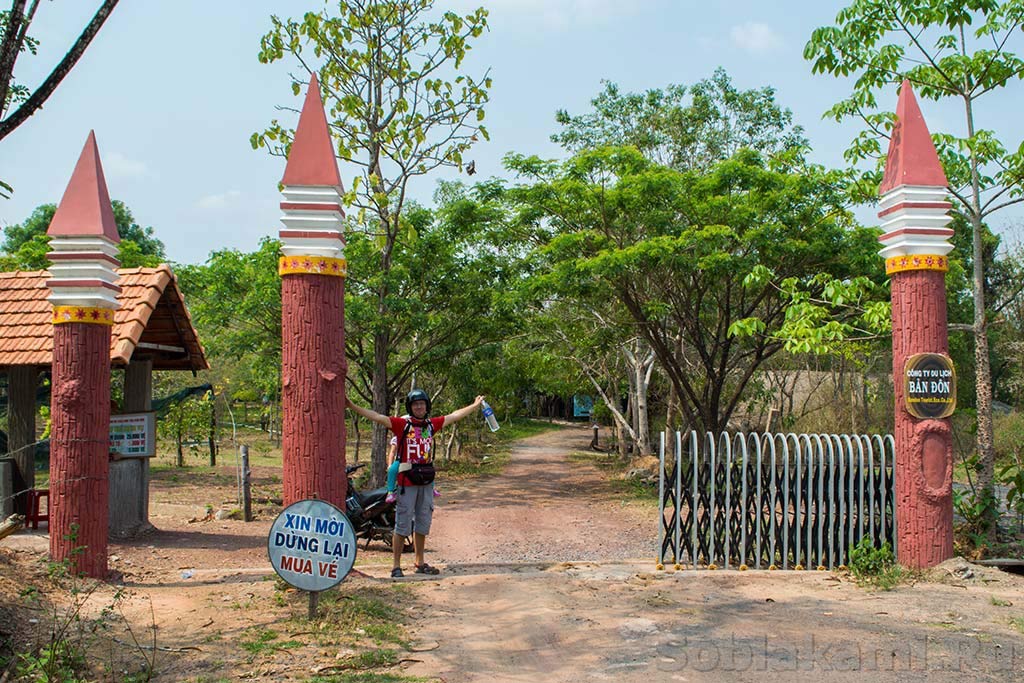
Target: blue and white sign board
{"x": 312, "y": 545}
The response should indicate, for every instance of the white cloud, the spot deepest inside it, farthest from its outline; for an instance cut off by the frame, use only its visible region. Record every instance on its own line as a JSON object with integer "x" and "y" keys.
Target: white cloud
{"x": 755, "y": 37}
{"x": 120, "y": 166}
{"x": 218, "y": 201}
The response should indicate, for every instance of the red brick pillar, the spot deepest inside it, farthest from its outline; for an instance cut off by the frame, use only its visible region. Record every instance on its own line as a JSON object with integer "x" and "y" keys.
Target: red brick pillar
{"x": 79, "y": 445}
{"x": 312, "y": 269}
{"x": 83, "y": 291}
{"x": 915, "y": 213}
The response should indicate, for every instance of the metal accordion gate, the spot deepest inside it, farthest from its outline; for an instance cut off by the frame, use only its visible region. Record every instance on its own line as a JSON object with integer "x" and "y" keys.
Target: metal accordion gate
{"x": 773, "y": 501}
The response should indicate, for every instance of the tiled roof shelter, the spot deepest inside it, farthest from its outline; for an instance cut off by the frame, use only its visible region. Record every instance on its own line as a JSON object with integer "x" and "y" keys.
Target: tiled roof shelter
{"x": 152, "y": 321}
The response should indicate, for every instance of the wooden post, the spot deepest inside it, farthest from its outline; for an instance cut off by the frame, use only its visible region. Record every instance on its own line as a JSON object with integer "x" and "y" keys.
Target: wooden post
{"x": 22, "y": 382}
{"x": 314, "y": 601}
{"x": 246, "y": 485}
{"x": 138, "y": 386}
{"x": 129, "y": 477}
{"x": 213, "y": 430}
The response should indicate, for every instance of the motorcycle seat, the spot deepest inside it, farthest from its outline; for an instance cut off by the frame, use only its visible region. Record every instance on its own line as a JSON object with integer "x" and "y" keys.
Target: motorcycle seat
{"x": 373, "y": 497}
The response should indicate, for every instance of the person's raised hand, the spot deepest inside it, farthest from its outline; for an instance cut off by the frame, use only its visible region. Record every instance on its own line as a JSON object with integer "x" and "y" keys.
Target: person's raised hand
{"x": 478, "y": 401}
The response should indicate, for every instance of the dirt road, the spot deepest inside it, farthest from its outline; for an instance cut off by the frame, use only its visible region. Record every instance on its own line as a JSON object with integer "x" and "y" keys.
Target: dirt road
{"x": 548, "y": 575}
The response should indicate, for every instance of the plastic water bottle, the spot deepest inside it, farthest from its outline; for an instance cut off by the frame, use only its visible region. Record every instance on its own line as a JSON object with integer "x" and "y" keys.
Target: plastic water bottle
{"x": 492, "y": 422}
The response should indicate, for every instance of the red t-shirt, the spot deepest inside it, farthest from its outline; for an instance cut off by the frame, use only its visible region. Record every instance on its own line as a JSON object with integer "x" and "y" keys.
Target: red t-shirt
{"x": 418, "y": 444}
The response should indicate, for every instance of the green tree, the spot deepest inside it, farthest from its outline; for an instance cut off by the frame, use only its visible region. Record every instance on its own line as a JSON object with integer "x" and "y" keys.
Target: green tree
{"x": 684, "y": 127}
{"x": 401, "y": 106}
{"x": 445, "y": 297}
{"x": 674, "y": 248}
{"x": 26, "y": 244}
{"x": 235, "y": 302}
{"x": 953, "y": 51}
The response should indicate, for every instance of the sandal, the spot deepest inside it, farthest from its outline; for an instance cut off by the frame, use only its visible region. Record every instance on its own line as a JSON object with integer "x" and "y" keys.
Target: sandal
{"x": 397, "y": 573}
{"x": 427, "y": 569}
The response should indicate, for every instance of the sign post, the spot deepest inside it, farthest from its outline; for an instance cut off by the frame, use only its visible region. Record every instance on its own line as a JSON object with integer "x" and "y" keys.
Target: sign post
{"x": 312, "y": 546}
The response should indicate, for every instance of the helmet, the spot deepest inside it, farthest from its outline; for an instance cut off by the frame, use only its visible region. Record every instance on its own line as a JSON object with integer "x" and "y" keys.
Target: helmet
{"x": 416, "y": 395}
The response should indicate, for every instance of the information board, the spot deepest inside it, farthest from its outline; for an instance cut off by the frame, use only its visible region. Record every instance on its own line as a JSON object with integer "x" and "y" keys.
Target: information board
{"x": 929, "y": 386}
{"x": 312, "y": 545}
{"x": 133, "y": 435}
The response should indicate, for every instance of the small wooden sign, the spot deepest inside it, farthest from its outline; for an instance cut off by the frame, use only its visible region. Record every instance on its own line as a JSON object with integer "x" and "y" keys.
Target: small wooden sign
{"x": 929, "y": 386}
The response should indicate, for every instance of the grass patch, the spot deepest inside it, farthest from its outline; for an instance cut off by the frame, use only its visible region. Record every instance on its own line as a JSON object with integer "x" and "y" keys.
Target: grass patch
{"x": 609, "y": 463}
{"x": 369, "y": 613}
{"x": 367, "y": 677}
{"x": 876, "y": 567}
{"x": 1018, "y": 623}
{"x": 486, "y": 464}
{"x": 263, "y": 641}
{"x": 996, "y": 602}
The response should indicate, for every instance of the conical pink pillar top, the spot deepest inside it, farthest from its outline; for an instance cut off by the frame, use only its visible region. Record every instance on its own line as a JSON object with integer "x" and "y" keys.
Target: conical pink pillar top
{"x": 912, "y": 159}
{"x": 85, "y": 209}
{"x": 311, "y": 160}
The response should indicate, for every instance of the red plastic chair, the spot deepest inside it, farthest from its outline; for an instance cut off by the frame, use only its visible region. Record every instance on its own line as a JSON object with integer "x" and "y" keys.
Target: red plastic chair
{"x": 34, "y": 517}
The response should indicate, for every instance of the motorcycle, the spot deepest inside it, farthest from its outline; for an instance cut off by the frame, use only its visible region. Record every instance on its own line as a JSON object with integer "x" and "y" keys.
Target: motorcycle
{"x": 372, "y": 517}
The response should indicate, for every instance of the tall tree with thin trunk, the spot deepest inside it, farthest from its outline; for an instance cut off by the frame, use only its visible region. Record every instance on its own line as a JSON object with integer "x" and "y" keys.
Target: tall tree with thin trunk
{"x": 400, "y": 106}
{"x": 956, "y": 51}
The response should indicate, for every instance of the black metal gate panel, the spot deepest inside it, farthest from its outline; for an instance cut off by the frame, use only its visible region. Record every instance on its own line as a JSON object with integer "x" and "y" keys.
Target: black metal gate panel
{"x": 774, "y": 501}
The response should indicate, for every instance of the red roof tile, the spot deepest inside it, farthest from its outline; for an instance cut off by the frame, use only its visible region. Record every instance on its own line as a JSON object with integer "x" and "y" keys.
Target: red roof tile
{"x": 26, "y": 330}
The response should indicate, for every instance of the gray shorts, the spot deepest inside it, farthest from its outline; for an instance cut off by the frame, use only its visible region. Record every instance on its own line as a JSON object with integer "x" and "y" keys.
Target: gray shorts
{"x": 414, "y": 509}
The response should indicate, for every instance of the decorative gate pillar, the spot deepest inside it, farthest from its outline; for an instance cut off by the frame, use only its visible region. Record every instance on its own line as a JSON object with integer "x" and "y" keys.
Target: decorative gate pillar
{"x": 83, "y": 292}
{"x": 915, "y": 213}
{"x": 312, "y": 270}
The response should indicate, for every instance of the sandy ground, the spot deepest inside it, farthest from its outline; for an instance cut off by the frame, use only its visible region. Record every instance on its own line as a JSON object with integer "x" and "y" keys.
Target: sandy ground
{"x": 548, "y": 575}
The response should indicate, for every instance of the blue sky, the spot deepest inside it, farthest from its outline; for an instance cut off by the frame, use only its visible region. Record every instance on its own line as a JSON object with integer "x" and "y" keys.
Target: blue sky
{"x": 174, "y": 90}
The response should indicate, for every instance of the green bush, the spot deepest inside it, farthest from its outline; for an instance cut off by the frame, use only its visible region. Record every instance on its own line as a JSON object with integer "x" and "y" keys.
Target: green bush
{"x": 876, "y": 567}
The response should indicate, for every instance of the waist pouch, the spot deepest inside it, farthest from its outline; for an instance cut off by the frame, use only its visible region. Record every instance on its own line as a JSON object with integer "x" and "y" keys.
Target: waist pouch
{"x": 421, "y": 474}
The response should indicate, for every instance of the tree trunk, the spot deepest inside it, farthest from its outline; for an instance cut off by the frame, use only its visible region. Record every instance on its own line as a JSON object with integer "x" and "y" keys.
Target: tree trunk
{"x": 982, "y": 368}
{"x": 379, "y": 387}
{"x": 178, "y": 438}
{"x": 359, "y": 436}
{"x": 620, "y": 440}
{"x": 63, "y": 68}
{"x": 213, "y": 433}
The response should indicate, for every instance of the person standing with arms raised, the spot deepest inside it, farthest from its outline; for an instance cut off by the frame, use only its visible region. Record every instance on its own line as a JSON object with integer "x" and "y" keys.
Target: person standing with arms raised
{"x": 415, "y": 506}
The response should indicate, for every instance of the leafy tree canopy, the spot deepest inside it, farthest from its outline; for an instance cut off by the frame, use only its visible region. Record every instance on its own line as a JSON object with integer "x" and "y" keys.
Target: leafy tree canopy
{"x": 684, "y": 127}
{"x": 676, "y": 249}
{"x": 26, "y": 244}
